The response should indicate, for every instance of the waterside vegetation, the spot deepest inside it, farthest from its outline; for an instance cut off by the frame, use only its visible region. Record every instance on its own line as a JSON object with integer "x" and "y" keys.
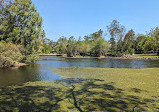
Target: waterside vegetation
{"x": 21, "y": 32}
{"x": 120, "y": 43}
{"x": 80, "y": 89}
{"x": 22, "y": 26}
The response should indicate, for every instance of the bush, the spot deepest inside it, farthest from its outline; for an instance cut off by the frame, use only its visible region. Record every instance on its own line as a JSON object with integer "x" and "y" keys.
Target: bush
{"x": 10, "y": 54}
{"x": 32, "y": 58}
{"x": 15, "y": 56}
{"x": 6, "y": 62}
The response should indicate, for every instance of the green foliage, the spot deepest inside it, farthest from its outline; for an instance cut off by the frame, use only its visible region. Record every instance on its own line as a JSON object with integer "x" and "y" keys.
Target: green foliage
{"x": 120, "y": 46}
{"x": 116, "y": 31}
{"x": 128, "y": 43}
{"x": 71, "y": 47}
{"x": 83, "y": 48}
{"x": 148, "y": 44}
{"x": 101, "y": 47}
{"x": 95, "y": 45}
{"x": 15, "y": 56}
{"x": 140, "y": 46}
{"x": 47, "y": 46}
{"x": 63, "y": 48}
{"x": 113, "y": 47}
{"x": 32, "y": 58}
{"x": 21, "y": 24}
{"x": 156, "y": 40}
{"x": 10, "y": 54}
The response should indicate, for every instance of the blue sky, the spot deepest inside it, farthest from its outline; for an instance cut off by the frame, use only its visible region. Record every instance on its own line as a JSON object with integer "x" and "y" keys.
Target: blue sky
{"x": 83, "y": 17}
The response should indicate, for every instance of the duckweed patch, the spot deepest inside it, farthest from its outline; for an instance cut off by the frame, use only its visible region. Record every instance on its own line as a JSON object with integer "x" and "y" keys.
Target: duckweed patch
{"x": 139, "y": 83}
{"x": 86, "y": 90}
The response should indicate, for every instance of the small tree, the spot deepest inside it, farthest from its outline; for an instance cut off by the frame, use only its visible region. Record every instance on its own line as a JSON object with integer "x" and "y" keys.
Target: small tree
{"x": 101, "y": 47}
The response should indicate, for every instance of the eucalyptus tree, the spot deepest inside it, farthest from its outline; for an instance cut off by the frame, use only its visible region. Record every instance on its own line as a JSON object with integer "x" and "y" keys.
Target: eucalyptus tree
{"x": 94, "y": 36}
{"x": 71, "y": 48}
{"x": 62, "y": 39}
{"x": 4, "y": 18}
{"x": 101, "y": 47}
{"x": 83, "y": 47}
{"x": 22, "y": 25}
{"x": 117, "y": 32}
{"x": 129, "y": 42}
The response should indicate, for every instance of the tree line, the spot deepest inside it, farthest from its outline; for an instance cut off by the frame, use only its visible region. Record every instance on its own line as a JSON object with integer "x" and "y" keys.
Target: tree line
{"x": 119, "y": 44}
{"x": 21, "y": 31}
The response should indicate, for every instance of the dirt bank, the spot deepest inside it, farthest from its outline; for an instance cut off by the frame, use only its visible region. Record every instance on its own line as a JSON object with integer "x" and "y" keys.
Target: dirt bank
{"x": 17, "y": 65}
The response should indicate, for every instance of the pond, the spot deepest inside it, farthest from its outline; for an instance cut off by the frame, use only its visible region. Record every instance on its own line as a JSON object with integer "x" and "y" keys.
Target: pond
{"x": 85, "y": 85}
{"x": 42, "y": 70}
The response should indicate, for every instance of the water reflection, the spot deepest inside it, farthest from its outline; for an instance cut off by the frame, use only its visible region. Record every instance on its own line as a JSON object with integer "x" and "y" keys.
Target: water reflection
{"x": 33, "y": 72}
{"x": 16, "y": 76}
{"x": 95, "y": 62}
{"x": 42, "y": 69}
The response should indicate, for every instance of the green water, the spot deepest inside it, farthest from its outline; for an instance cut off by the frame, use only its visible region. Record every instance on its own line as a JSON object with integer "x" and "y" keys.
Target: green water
{"x": 71, "y": 85}
{"x": 42, "y": 70}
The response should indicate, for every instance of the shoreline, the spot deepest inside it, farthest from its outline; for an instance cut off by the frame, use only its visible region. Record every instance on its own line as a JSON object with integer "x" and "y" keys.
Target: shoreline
{"x": 137, "y": 57}
{"x": 123, "y": 57}
{"x": 17, "y": 65}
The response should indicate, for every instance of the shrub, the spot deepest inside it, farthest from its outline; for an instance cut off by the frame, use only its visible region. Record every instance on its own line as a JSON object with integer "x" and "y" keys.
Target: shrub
{"x": 6, "y": 62}
{"x": 10, "y": 54}
{"x": 32, "y": 58}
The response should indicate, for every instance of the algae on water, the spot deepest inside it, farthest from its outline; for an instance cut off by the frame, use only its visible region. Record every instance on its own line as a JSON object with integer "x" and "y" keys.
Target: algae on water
{"x": 88, "y": 89}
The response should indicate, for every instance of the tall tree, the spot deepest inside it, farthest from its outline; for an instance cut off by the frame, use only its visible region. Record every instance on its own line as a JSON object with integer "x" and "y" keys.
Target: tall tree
{"x": 62, "y": 39}
{"x": 71, "y": 47}
{"x": 113, "y": 46}
{"x": 156, "y": 40}
{"x": 129, "y": 42}
{"x": 22, "y": 25}
{"x": 96, "y": 35}
{"x": 116, "y": 31}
